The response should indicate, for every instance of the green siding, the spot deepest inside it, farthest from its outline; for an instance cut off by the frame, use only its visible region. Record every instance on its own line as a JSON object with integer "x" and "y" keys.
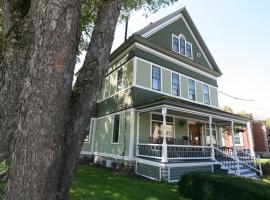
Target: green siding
{"x": 86, "y": 147}
{"x": 173, "y": 66}
{"x": 180, "y": 127}
{"x": 144, "y": 130}
{"x": 213, "y": 96}
{"x": 166, "y": 81}
{"x": 143, "y": 74}
{"x": 199, "y": 92}
{"x": 163, "y": 38}
{"x": 184, "y": 87}
{"x": 103, "y": 135}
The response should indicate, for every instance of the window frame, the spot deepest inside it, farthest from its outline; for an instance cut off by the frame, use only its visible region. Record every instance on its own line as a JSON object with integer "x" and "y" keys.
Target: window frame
{"x": 174, "y": 36}
{"x": 167, "y": 123}
{"x": 203, "y": 85}
{"x": 184, "y": 39}
{"x": 191, "y": 52}
{"x": 113, "y": 129}
{"x": 179, "y": 84}
{"x": 240, "y": 135}
{"x": 160, "y": 78}
{"x": 195, "y": 95}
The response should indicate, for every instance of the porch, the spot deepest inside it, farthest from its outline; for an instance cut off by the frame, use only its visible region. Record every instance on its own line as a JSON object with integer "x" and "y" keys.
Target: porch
{"x": 188, "y": 138}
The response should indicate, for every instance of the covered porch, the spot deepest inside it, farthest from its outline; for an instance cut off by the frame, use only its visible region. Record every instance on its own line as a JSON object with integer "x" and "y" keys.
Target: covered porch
{"x": 171, "y": 134}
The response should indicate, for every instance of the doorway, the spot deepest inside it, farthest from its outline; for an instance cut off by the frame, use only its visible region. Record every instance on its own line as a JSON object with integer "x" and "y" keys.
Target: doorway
{"x": 194, "y": 134}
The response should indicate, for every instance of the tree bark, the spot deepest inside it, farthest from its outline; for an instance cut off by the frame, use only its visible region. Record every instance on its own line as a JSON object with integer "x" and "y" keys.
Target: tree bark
{"x": 44, "y": 97}
{"x": 86, "y": 90}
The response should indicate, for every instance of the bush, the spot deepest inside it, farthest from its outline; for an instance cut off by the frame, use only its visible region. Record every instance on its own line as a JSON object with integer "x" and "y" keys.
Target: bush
{"x": 209, "y": 186}
{"x": 266, "y": 168}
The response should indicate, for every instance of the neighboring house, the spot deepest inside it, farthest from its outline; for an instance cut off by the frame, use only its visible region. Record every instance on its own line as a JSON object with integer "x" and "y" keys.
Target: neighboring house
{"x": 260, "y": 138}
{"x": 158, "y": 107}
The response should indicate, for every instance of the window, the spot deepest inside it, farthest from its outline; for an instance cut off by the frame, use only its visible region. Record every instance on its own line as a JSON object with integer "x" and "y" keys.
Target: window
{"x": 189, "y": 50}
{"x": 214, "y": 134}
{"x": 182, "y": 45}
{"x": 86, "y": 139}
{"x": 115, "y": 138}
{"x": 175, "y": 84}
{"x": 156, "y": 78}
{"x": 157, "y": 126}
{"x": 191, "y": 89}
{"x": 175, "y": 43}
{"x": 120, "y": 79}
{"x": 238, "y": 138}
{"x": 206, "y": 98}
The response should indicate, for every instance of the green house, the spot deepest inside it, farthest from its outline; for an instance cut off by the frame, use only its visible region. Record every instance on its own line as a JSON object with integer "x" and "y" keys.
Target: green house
{"x": 158, "y": 110}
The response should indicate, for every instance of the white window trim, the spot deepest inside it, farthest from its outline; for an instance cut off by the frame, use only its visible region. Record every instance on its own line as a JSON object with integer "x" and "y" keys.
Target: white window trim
{"x": 180, "y": 35}
{"x": 191, "y": 49}
{"x": 178, "y": 43}
{"x": 208, "y": 93}
{"x": 194, "y": 89}
{"x": 240, "y": 138}
{"x": 118, "y": 129}
{"x": 179, "y": 76}
{"x": 151, "y": 78}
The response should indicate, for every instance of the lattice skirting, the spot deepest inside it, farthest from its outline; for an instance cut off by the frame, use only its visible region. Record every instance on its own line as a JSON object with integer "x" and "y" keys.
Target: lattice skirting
{"x": 175, "y": 173}
{"x": 148, "y": 170}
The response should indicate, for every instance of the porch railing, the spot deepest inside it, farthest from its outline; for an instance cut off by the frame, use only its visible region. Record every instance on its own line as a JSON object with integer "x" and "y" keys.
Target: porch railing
{"x": 150, "y": 150}
{"x": 189, "y": 152}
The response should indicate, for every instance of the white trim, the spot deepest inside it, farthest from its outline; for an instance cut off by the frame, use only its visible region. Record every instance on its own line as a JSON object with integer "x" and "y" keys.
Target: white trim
{"x": 178, "y": 62}
{"x": 178, "y": 43}
{"x": 240, "y": 138}
{"x": 191, "y": 50}
{"x": 132, "y": 133}
{"x": 93, "y": 136}
{"x": 179, "y": 83}
{"x": 115, "y": 156}
{"x": 208, "y": 93}
{"x": 196, "y": 99}
{"x": 183, "y": 37}
{"x": 151, "y": 77}
{"x": 118, "y": 129}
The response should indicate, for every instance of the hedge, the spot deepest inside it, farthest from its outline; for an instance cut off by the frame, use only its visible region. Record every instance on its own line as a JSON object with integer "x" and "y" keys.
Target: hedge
{"x": 209, "y": 186}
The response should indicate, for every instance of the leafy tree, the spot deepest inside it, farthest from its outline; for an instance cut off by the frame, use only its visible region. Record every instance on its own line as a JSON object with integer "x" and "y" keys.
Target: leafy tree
{"x": 268, "y": 122}
{"x": 43, "y": 120}
{"x": 228, "y": 109}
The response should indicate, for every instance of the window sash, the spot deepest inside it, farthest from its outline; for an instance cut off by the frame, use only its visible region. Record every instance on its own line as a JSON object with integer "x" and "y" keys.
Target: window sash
{"x": 206, "y": 96}
{"x": 182, "y": 46}
{"x": 189, "y": 50}
{"x": 175, "y": 44}
{"x": 175, "y": 84}
{"x": 156, "y": 78}
{"x": 191, "y": 89}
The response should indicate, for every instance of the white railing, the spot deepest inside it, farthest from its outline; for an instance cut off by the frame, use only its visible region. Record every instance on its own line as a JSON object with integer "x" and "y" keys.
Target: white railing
{"x": 189, "y": 152}
{"x": 150, "y": 150}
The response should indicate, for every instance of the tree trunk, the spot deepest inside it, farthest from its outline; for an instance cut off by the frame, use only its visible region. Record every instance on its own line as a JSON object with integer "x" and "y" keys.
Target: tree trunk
{"x": 86, "y": 90}
{"x": 44, "y": 97}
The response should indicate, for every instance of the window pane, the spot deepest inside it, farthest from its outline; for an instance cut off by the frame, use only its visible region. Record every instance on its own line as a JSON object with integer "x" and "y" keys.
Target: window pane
{"x": 175, "y": 84}
{"x": 120, "y": 79}
{"x": 155, "y": 78}
{"x": 182, "y": 45}
{"x": 189, "y": 50}
{"x": 175, "y": 44}
{"x": 206, "y": 97}
{"x": 116, "y": 129}
{"x": 191, "y": 89}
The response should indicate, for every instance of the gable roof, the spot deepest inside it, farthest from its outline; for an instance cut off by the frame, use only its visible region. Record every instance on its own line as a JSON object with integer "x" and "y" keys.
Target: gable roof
{"x": 169, "y": 19}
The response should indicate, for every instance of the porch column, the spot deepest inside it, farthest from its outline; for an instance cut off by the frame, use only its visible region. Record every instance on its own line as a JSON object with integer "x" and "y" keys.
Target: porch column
{"x": 233, "y": 140}
{"x": 138, "y": 134}
{"x": 211, "y": 137}
{"x": 164, "y": 132}
{"x": 249, "y": 137}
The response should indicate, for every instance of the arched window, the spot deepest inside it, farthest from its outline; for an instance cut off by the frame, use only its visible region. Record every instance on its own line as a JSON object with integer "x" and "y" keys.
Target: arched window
{"x": 182, "y": 45}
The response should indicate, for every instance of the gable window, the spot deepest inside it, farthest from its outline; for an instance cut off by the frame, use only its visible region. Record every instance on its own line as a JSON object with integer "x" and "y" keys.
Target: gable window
{"x": 182, "y": 45}
{"x": 175, "y": 84}
{"x": 206, "y": 98}
{"x": 157, "y": 128}
{"x": 156, "y": 78}
{"x": 191, "y": 89}
{"x": 116, "y": 122}
{"x": 120, "y": 79}
{"x": 189, "y": 50}
{"x": 175, "y": 43}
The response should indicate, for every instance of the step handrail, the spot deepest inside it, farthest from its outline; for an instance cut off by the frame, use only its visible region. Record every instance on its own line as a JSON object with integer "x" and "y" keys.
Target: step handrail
{"x": 251, "y": 158}
{"x": 232, "y": 159}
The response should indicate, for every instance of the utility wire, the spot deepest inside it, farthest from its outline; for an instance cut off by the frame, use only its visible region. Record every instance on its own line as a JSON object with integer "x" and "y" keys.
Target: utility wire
{"x": 241, "y": 99}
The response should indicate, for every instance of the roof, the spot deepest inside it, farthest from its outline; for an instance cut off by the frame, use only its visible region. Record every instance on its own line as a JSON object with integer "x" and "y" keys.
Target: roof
{"x": 195, "y": 31}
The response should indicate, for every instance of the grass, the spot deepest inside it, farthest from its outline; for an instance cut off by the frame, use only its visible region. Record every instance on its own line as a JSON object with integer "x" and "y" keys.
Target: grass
{"x": 1, "y": 189}
{"x": 101, "y": 184}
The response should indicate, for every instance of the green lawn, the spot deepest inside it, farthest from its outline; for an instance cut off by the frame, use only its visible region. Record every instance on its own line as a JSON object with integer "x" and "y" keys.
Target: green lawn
{"x": 103, "y": 184}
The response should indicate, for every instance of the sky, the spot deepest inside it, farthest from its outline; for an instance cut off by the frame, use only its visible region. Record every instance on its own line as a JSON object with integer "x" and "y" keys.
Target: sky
{"x": 237, "y": 34}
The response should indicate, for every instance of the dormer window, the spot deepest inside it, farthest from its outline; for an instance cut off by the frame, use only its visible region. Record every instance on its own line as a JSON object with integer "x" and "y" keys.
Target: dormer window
{"x": 180, "y": 45}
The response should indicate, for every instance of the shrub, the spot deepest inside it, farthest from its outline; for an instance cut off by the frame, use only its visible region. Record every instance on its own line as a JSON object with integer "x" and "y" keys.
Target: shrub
{"x": 266, "y": 168}
{"x": 209, "y": 186}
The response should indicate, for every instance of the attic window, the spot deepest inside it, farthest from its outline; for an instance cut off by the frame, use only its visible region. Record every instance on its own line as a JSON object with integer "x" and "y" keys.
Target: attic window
{"x": 180, "y": 45}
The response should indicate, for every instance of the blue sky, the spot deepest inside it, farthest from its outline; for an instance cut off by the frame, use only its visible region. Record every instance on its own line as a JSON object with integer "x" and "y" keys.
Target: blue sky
{"x": 237, "y": 34}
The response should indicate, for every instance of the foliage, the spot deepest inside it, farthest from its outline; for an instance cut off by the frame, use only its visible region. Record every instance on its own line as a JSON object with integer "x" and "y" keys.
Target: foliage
{"x": 3, "y": 170}
{"x": 2, "y": 187}
{"x": 228, "y": 109}
{"x": 3, "y": 167}
{"x": 266, "y": 168}
{"x": 268, "y": 122}
{"x": 207, "y": 186}
{"x": 93, "y": 183}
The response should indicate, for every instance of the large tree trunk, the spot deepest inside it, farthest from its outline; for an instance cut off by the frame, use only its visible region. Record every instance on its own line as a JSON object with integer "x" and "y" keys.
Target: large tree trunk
{"x": 87, "y": 88}
{"x": 44, "y": 98}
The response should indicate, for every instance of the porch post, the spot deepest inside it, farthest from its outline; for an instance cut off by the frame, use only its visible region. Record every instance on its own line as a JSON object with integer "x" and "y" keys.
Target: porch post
{"x": 164, "y": 131}
{"x": 249, "y": 137}
{"x": 138, "y": 134}
{"x": 211, "y": 137}
{"x": 233, "y": 140}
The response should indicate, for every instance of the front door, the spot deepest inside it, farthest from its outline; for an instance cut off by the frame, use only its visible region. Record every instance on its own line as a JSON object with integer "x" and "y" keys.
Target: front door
{"x": 194, "y": 134}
